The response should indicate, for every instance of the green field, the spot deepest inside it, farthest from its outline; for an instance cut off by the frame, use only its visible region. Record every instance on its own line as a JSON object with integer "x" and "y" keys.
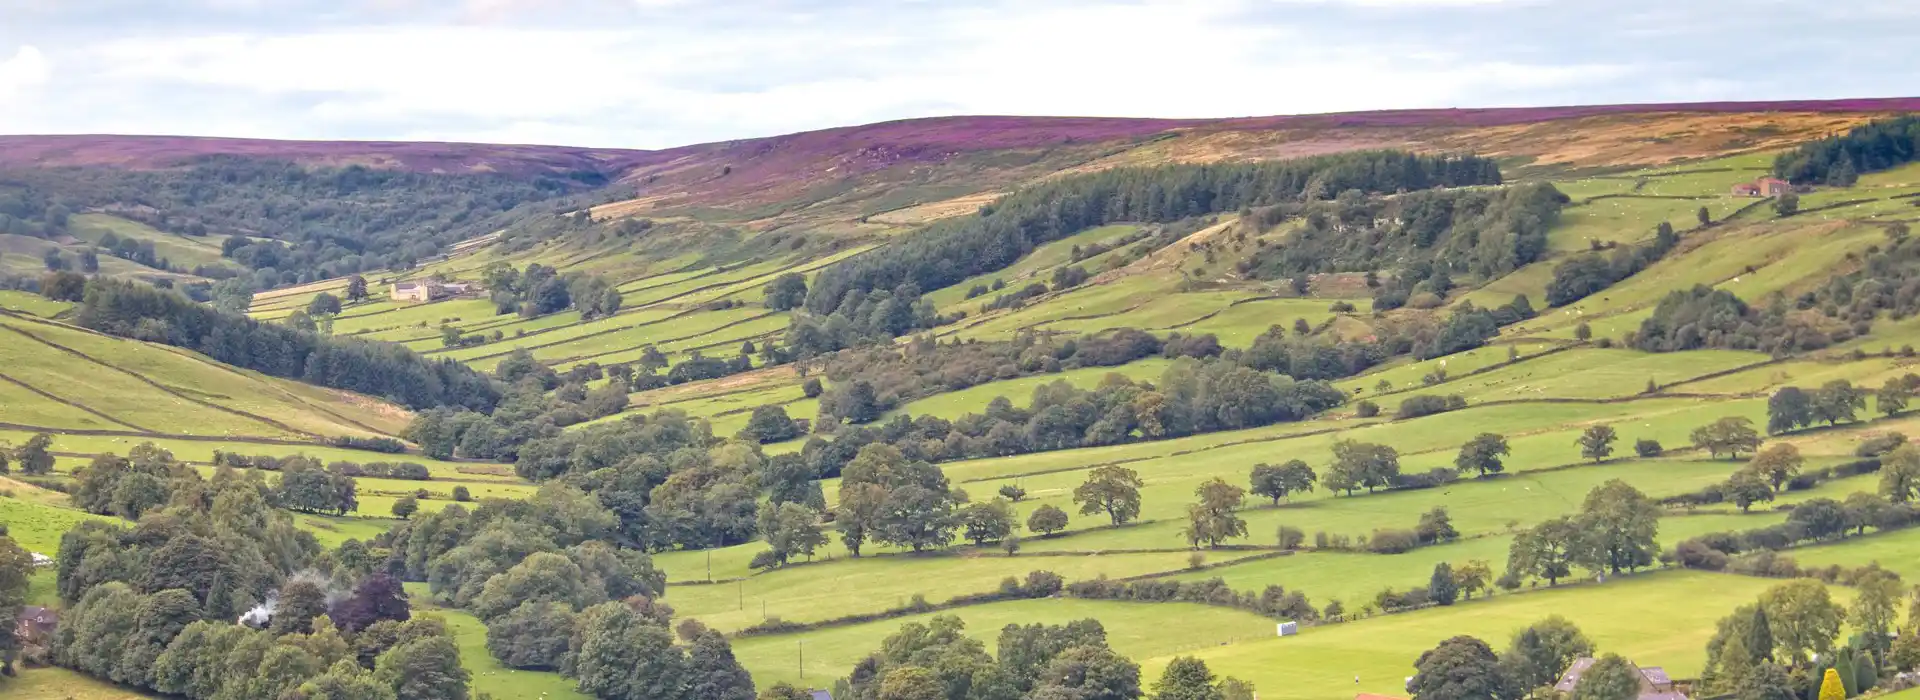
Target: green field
{"x": 55, "y": 683}
{"x": 1322, "y": 662}
{"x": 1138, "y": 630}
{"x": 814, "y": 592}
{"x": 489, "y": 675}
{"x": 182, "y": 252}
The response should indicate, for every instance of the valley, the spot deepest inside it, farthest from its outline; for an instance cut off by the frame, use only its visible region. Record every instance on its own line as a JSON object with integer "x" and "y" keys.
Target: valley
{"x": 696, "y": 405}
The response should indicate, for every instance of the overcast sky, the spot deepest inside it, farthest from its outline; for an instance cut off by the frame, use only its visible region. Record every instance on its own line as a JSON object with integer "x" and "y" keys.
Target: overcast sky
{"x": 658, "y": 73}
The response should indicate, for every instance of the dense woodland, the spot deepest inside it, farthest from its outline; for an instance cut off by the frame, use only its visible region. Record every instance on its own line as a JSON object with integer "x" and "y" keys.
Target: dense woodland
{"x": 142, "y": 312}
{"x": 214, "y": 594}
{"x": 948, "y": 252}
{"x": 1839, "y": 161}
{"x": 324, "y": 222}
{"x": 1484, "y": 232}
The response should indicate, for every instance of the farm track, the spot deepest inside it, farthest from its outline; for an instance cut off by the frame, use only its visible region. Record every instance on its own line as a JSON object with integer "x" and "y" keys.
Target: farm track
{"x": 162, "y": 387}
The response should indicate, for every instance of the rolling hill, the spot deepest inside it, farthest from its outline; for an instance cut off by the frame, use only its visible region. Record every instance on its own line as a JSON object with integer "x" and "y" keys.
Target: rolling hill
{"x": 1603, "y": 310}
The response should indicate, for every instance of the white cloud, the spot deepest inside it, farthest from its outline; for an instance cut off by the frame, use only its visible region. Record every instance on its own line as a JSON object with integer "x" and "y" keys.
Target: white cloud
{"x": 655, "y": 73}
{"x": 28, "y": 69}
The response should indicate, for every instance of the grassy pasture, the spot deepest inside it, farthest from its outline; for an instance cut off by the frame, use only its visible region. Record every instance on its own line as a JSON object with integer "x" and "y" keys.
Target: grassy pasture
{"x": 183, "y": 252}
{"x": 1028, "y": 269}
{"x": 1239, "y": 324}
{"x": 953, "y": 404}
{"x": 32, "y": 304}
{"x": 826, "y": 590}
{"x": 1323, "y": 662}
{"x": 202, "y": 451}
{"x": 489, "y": 675}
{"x": 37, "y": 526}
{"x": 1894, "y": 550}
{"x": 1626, "y": 220}
{"x": 1476, "y": 506}
{"x": 1592, "y": 373}
{"x": 1137, "y": 630}
{"x": 1408, "y": 374}
{"x": 188, "y": 394}
{"x": 56, "y": 683}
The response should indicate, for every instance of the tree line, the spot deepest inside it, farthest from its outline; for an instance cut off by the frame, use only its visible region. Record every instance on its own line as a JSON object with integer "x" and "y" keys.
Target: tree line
{"x": 133, "y": 310}
{"x": 936, "y": 659}
{"x": 947, "y": 252}
{"x": 323, "y": 222}
{"x": 1839, "y": 160}
{"x": 1190, "y": 397}
{"x": 541, "y": 290}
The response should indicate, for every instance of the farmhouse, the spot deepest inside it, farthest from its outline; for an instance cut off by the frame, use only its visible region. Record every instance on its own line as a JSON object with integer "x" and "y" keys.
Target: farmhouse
{"x": 430, "y": 290}
{"x": 1763, "y": 187}
{"x": 1654, "y": 683}
{"x": 35, "y": 624}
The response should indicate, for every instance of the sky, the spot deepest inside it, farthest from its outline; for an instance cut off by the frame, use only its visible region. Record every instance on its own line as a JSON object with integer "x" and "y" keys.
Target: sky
{"x": 662, "y": 73}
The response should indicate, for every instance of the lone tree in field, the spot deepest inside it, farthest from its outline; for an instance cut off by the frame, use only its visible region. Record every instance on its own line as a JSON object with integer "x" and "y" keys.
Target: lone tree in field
{"x": 1212, "y": 521}
{"x": 1617, "y": 526}
{"x": 36, "y": 457}
{"x": 1597, "y": 442}
{"x": 1788, "y": 409}
{"x": 1705, "y": 217}
{"x": 406, "y": 507}
{"x": 1778, "y": 465}
{"x": 1747, "y": 487}
{"x": 1731, "y": 435}
{"x": 1545, "y": 551}
{"x": 1483, "y": 454}
{"x": 356, "y": 288}
{"x": 1838, "y": 400}
{"x": 1787, "y": 204}
{"x": 1359, "y": 464}
{"x": 1112, "y": 489}
{"x": 1892, "y": 397}
{"x": 1047, "y": 519}
{"x": 1282, "y": 481}
{"x": 1900, "y": 474}
{"x": 1441, "y": 588}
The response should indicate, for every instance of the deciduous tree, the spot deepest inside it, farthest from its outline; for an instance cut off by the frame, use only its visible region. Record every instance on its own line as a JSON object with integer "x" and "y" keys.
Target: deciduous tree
{"x": 1047, "y": 519}
{"x": 1597, "y": 442}
{"x": 1483, "y": 454}
{"x": 1461, "y": 668}
{"x": 1777, "y": 464}
{"x": 1112, "y": 489}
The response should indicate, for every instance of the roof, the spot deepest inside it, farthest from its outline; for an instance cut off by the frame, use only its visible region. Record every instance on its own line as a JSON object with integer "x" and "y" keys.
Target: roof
{"x": 37, "y": 615}
{"x": 820, "y": 695}
{"x": 1371, "y": 696}
{"x": 1572, "y": 676}
{"x": 1653, "y": 675}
